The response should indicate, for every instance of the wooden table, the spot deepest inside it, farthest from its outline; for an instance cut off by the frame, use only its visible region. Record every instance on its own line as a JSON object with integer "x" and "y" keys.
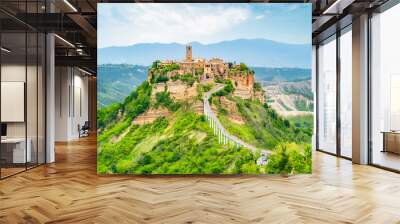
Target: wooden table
{"x": 391, "y": 141}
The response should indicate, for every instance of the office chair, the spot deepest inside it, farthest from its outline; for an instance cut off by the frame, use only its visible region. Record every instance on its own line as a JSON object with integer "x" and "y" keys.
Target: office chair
{"x": 84, "y": 130}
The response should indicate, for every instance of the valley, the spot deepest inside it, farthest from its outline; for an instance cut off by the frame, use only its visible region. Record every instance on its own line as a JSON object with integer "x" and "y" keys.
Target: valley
{"x": 290, "y": 98}
{"x": 116, "y": 81}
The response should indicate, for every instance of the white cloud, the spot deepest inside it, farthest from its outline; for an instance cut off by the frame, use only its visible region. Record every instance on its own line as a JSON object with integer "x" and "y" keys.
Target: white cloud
{"x": 259, "y": 17}
{"x": 125, "y": 24}
{"x": 293, "y": 7}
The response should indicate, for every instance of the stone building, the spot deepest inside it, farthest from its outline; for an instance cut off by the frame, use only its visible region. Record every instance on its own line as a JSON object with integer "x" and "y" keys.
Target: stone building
{"x": 212, "y": 69}
{"x": 189, "y": 53}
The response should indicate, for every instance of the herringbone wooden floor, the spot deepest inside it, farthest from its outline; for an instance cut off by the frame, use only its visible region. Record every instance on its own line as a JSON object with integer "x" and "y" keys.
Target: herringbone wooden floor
{"x": 70, "y": 191}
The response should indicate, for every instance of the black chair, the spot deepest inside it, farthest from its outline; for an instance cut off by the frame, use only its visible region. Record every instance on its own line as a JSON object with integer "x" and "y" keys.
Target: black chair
{"x": 84, "y": 130}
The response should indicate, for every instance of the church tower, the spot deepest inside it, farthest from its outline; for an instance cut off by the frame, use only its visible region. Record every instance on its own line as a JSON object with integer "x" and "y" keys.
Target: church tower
{"x": 189, "y": 53}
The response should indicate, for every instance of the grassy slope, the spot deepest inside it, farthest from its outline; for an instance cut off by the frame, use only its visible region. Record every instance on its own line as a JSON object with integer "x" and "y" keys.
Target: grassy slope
{"x": 181, "y": 144}
{"x": 263, "y": 127}
{"x": 289, "y": 139}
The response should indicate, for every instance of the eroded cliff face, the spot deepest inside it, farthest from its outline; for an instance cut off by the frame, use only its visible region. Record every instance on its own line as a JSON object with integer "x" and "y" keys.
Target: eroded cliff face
{"x": 151, "y": 115}
{"x": 181, "y": 91}
{"x": 230, "y": 108}
{"x": 157, "y": 88}
{"x": 178, "y": 91}
{"x": 243, "y": 84}
{"x": 198, "y": 107}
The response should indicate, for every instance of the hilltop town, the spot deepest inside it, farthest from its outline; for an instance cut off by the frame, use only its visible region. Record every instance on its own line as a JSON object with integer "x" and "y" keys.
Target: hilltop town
{"x": 184, "y": 81}
{"x": 181, "y": 77}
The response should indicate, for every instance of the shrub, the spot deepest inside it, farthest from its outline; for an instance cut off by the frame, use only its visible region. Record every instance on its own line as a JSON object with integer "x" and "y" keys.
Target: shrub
{"x": 164, "y": 99}
{"x": 155, "y": 64}
{"x": 107, "y": 115}
{"x": 257, "y": 86}
{"x": 289, "y": 159}
{"x": 161, "y": 78}
{"x": 226, "y": 90}
{"x": 188, "y": 79}
{"x": 243, "y": 67}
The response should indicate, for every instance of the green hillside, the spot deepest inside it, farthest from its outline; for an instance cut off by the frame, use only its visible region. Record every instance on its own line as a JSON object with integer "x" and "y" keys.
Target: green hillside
{"x": 263, "y": 127}
{"x": 181, "y": 144}
{"x": 184, "y": 143}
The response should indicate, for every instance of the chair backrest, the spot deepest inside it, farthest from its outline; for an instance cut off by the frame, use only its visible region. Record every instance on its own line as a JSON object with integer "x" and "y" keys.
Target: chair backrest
{"x": 86, "y": 124}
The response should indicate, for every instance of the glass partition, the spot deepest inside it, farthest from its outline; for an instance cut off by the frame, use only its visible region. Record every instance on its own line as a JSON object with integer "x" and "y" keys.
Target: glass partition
{"x": 13, "y": 105}
{"x": 385, "y": 89}
{"x": 22, "y": 77}
{"x": 327, "y": 95}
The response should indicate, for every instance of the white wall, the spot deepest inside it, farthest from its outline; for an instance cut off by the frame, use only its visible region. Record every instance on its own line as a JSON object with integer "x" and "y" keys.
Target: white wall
{"x": 71, "y": 102}
{"x": 62, "y": 82}
{"x": 80, "y": 110}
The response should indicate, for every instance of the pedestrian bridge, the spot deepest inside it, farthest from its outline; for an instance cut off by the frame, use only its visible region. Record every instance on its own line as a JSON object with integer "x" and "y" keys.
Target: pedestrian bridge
{"x": 223, "y": 136}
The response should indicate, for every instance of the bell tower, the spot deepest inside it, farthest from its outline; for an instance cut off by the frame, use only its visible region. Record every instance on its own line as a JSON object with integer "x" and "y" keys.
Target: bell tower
{"x": 188, "y": 52}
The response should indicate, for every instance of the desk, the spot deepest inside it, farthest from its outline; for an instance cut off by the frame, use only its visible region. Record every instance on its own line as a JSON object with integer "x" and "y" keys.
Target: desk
{"x": 391, "y": 141}
{"x": 17, "y": 150}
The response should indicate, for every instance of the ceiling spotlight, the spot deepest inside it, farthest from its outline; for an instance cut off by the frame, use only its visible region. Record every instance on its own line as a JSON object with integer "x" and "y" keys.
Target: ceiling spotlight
{"x": 84, "y": 71}
{"x": 5, "y": 50}
{"x": 64, "y": 40}
{"x": 79, "y": 51}
{"x": 70, "y": 5}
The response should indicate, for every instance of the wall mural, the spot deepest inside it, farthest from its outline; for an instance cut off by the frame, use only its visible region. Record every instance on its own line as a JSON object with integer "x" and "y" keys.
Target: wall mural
{"x": 204, "y": 88}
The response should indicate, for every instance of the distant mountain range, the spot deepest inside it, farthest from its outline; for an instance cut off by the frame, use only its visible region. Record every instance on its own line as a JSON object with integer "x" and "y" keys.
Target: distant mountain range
{"x": 253, "y": 52}
{"x": 281, "y": 74}
{"x": 115, "y": 82}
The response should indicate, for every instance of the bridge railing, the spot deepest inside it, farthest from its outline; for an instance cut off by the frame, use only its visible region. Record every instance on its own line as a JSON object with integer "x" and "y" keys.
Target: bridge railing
{"x": 223, "y": 136}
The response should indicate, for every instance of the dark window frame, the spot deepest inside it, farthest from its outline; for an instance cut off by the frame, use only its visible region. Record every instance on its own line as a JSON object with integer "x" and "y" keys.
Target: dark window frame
{"x": 339, "y": 32}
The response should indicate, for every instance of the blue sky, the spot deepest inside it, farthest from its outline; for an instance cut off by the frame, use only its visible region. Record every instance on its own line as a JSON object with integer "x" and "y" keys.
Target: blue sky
{"x": 122, "y": 24}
